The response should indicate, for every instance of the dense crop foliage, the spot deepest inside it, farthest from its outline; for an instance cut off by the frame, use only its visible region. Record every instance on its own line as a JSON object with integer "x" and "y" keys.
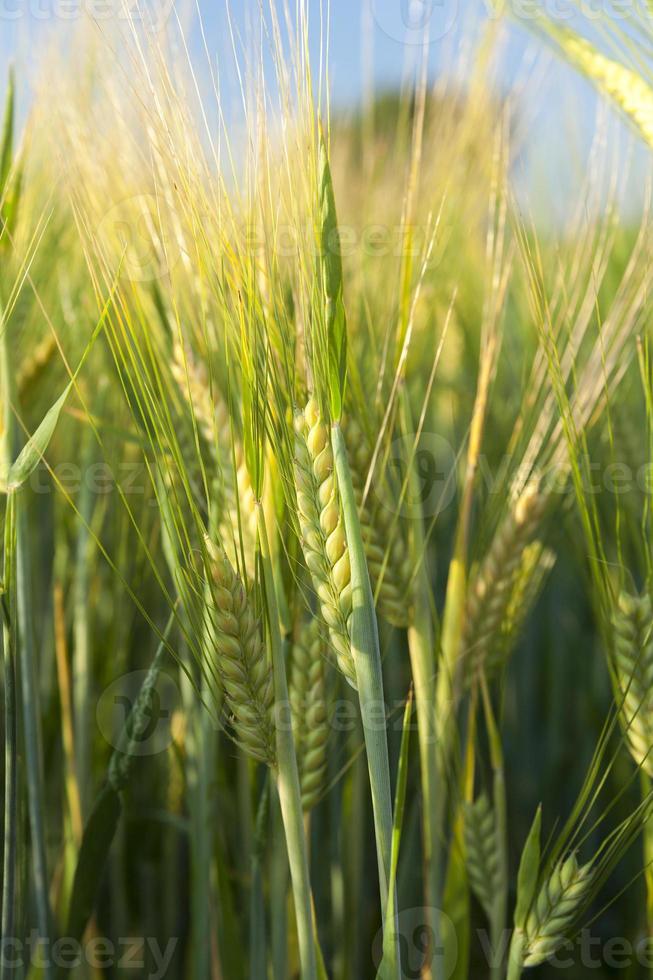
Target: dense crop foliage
{"x": 326, "y": 580}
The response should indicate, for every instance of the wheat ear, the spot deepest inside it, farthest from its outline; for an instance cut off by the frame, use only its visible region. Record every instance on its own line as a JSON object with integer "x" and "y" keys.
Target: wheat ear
{"x": 483, "y": 859}
{"x": 35, "y": 363}
{"x": 235, "y": 494}
{"x": 625, "y": 87}
{"x": 323, "y": 538}
{"x": 386, "y": 551}
{"x": 492, "y": 588}
{"x": 555, "y": 910}
{"x": 632, "y": 623}
{"x": 307, "y": 690}
{"x": 240, "y": 658}
{"x": 535, "y": 564}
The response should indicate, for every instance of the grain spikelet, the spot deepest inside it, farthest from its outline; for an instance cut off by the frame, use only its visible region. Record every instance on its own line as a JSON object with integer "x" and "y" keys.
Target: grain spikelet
{"x": 308, "y": 702}
{"x": 240, "y": 658}
{"x": 632, "y": 623}
{"x": 556, "y": 909}
{"x": 536, "y": 563}
{"x": 483, "y": 861}
{"x": 492, "y": 589}
{"x": 625, "y": 87}
{"x": 322, "y": 531}
{"x": 35, "y": 363}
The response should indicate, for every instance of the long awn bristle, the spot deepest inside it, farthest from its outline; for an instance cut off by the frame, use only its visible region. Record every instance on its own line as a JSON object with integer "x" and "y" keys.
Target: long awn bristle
{"x": 236, "y": 500}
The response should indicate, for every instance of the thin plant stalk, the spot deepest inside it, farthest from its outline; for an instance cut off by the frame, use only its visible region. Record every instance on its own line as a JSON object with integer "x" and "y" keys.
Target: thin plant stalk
{"x": 421, "y": 650}
{"x": 288, "y": 773}
{"x": 369, "y": 674}
{"x": 10, "y": 786}
{"x": 500, "y": 911}
{"x": 515, "y": 958}
{"x": 81, "y": 645}
{"x": 446, "y": 696}
{"x": 197, "y": 772}
{"x": 278, "y": 893}
{"x": 67, "y": 727}
{"x": 32, "y": 733}
{"x": 9, "y": 670}
{"x": 257, "y": 937}
{"x": 647, "y": 835}
{"x": 457, "y": 582}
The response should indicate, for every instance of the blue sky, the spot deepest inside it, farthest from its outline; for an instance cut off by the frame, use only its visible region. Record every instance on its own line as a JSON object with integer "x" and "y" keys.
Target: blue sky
{"x": 392, "y": 29}
{"x": 387, "y": 30}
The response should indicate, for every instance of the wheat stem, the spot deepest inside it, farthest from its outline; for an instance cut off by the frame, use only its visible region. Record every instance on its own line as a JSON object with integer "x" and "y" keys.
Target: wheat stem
{"x": 9, "y": 907}
{"x": 7, "y": 592}
{"x": 287, "y": 773}
{"x": 516, "y": 955}
{"x": 421, "y": 650}
{"x": 31, "y": 721}
{"x": 367, "y": 660}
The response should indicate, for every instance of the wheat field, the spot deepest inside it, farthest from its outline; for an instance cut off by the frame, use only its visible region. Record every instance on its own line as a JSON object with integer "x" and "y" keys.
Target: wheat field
{"x": 326, "y": 470}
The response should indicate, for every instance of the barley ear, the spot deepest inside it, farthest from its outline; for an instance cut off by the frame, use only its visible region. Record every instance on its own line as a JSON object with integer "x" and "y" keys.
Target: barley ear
{"x": 483, "y": 860}
{"x": 632, "y": 625}
{"x": 322, "y": 531}
{"x": 308, "y": 701}
{"x": 240, "y": 658}
{"x": 492, "y": 587}
{"x": 34, "y": 364}
{"x": 627, "y": 88}
{"x": 556, "y": 909}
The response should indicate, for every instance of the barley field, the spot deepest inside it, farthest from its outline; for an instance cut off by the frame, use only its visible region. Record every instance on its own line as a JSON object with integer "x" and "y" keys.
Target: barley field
{"x": 326, "y": 476}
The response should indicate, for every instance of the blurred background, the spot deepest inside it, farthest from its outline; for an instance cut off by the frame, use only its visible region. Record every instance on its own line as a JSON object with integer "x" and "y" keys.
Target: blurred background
{"x": 374, "y": 47}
